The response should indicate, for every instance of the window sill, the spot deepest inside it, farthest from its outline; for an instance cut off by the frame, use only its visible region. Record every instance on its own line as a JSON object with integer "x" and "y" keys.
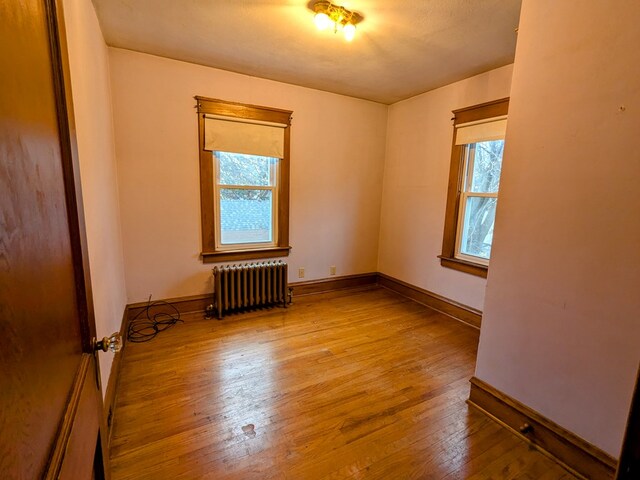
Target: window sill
{"x": 254, "y": 253}
{"x": 464, "y": 266}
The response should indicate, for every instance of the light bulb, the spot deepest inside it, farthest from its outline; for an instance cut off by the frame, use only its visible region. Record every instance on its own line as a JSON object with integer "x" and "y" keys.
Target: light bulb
{"x": 321, "y": 20}
{"x": 349, "y": 31}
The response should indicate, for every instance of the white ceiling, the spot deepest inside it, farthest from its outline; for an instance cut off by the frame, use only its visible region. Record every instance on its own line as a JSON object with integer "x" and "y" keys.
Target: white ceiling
{"x": 402, "y": 47}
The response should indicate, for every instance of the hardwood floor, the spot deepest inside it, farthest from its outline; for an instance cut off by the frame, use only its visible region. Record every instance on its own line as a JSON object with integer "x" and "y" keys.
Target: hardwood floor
{"x": 352, "y": 384}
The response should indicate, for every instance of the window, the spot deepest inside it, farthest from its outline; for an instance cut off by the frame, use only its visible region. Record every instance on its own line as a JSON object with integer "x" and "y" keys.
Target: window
{"x": 474, "y": 180}
{"x": 244, "y": 180}
{"x": 246, "y": 197}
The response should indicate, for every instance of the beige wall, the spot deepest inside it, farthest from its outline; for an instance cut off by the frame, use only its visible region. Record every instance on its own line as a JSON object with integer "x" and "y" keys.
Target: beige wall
{"x": 89, "y": 65}
{"x": 415, "y": 185}
{"x": 337, "y": 159}
{"x": 561, "y": 329}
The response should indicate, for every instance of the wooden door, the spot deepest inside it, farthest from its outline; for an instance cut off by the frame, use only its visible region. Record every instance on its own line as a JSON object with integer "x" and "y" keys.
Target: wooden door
{"x": 50, "y": 399}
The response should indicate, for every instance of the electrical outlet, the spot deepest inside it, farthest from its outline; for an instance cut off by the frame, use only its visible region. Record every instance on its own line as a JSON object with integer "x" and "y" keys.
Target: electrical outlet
{"x": 301, "y": 272}
{"x": 332, "y": 270}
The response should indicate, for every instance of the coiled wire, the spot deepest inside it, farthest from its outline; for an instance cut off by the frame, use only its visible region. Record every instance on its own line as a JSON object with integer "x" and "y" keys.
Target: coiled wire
{"x": 145, "y": 328}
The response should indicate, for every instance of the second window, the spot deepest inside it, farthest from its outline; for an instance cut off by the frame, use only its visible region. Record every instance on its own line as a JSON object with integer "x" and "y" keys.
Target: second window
{"x": 474, "y": 182}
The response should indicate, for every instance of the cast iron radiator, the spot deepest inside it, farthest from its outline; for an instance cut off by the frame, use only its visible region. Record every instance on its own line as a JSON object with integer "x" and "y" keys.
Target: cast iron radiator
{"x": 247, "y": 286}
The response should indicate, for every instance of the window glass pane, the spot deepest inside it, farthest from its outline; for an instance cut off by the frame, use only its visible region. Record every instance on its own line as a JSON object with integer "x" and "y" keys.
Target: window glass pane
{"x": 487, "y": 163}
{"x": 477, "y": 230}
{"x": 245, "y": 216}
{"x": 240, "y": 169}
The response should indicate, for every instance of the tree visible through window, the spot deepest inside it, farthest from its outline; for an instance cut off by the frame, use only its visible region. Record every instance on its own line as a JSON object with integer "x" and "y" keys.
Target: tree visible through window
{"x": 483, "y": 161}
{"x": 474, "y": 182}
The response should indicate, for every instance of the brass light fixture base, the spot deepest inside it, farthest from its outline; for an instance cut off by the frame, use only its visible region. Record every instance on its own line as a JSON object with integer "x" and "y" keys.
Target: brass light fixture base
{"x": 335, "y": 16}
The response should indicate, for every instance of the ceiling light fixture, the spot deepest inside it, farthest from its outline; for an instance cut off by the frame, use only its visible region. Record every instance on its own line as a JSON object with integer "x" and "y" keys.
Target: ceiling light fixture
{"x": 328, "y": 15}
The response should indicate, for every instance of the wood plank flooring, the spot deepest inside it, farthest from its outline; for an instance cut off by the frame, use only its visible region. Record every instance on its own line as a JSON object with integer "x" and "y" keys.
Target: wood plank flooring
{"x": 348, "y": 385}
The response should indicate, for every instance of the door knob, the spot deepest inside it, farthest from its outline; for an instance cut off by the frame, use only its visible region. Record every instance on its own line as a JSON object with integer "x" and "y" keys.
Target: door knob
{"x": 113, "y": 343}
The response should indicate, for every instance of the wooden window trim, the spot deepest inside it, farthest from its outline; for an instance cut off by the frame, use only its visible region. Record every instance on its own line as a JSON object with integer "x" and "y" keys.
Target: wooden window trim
{"x": 495, "y": 108}
{"x": 210, "y": 253}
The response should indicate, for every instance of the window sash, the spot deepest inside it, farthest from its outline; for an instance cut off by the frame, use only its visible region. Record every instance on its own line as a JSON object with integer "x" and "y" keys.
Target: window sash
{"x": 465, "y": 195}
{"x": 217, "y": 190}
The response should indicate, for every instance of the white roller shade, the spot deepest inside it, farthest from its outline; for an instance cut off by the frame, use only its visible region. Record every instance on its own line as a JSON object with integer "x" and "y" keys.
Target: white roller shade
{"x": 239, "y": 136}
{"x": 482, "y": 131}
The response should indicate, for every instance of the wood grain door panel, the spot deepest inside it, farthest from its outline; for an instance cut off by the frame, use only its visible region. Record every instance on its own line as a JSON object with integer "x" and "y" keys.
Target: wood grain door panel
{"x": 81, "y": 422}
{"x": 50, "y": 402}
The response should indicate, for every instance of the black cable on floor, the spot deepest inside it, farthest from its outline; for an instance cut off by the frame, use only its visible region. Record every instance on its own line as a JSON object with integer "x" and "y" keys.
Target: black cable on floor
{"x": 145, "y": 328}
